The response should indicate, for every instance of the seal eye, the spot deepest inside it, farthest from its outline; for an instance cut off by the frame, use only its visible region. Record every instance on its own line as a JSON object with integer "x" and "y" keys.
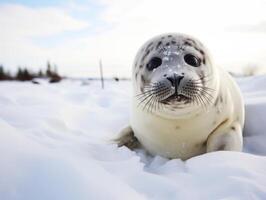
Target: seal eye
{"x": 192, "y": 60}
{"x": 154, "y": 63}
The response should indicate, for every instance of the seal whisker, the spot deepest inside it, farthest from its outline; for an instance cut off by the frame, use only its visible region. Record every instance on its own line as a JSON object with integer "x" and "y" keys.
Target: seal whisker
{"x": 201, "y": 101}
{"x": 151, "y": 104}
{"x": 145, "y": 98}
{"x": 151, "y": 97}
{"x": 147, "y": 103}
{"x": 153, "y": 88}
{"x": 207, "y": 93}
{"x": 207, "y": 97}
{"x": 204, "y": 98}
{"x": 146, "y": 93}
{"x": 155, "y": 104}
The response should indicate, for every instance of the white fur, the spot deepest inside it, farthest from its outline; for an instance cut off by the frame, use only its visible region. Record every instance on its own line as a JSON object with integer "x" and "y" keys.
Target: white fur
{"x": 193, "y": 129}
{"x": 184, "y": 137}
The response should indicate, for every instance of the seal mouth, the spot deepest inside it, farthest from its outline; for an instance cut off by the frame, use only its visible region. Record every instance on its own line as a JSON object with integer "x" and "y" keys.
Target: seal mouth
{"x": 175, "y": 97}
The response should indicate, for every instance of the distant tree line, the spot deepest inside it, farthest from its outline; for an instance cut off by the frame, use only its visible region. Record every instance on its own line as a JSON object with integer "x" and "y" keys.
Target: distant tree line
{"x": 23, "y": 74}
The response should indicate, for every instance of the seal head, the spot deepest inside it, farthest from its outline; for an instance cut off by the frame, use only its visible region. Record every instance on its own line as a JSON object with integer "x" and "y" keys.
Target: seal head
{"x": 172, "y": 73}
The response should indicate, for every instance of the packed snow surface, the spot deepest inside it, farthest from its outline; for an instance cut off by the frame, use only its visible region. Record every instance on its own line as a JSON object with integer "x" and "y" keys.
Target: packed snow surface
{"x": 54, "y": 145}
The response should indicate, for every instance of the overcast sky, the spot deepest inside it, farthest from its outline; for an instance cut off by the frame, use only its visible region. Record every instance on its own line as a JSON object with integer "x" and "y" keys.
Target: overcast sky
{"x": 76, "y": 34}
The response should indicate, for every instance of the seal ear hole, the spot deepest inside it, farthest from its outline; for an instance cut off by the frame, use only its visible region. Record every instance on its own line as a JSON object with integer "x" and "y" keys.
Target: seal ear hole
{"x": 192, "y": 60}
{"x": 154, "y": 63}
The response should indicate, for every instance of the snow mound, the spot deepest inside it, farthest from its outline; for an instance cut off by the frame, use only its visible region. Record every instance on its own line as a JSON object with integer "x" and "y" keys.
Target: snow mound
{"x": 54, "y": 145}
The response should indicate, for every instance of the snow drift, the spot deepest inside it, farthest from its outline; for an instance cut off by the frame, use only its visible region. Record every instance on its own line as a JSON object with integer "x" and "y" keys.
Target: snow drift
{"x": 54, "y": 145}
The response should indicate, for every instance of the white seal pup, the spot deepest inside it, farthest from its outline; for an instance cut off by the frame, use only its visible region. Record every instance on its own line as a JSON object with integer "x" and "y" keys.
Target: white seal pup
{"x": 183, "y": 105}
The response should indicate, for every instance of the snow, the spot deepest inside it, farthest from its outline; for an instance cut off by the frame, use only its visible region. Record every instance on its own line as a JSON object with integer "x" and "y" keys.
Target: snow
{"x": 55, "y": 144}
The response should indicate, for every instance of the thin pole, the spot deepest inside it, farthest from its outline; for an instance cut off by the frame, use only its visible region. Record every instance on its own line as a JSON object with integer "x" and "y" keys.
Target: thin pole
{"x": 101, "y": 73}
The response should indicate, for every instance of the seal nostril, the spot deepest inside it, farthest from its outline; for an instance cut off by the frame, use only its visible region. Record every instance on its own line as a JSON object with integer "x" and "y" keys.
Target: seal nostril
{"x": 172, "y": 80}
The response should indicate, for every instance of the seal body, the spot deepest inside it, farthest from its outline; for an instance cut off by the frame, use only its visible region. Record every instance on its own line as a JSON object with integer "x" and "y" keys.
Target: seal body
{"x": 182, "y": 104}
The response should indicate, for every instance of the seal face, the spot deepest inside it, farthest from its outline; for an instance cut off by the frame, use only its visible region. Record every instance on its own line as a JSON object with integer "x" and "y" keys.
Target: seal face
{"x": 183, "y": 105}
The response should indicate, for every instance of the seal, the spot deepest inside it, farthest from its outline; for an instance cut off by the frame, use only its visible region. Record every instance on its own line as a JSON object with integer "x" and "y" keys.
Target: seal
{"x": 183, "y": 105}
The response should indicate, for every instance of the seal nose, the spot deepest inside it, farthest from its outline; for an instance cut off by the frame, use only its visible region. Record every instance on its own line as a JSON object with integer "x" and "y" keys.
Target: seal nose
{"x": 175, "y": 80}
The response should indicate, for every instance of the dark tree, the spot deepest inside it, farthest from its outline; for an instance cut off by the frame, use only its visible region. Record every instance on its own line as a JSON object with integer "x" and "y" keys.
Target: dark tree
{"x": 53, "y": 75}
{"x": 40, "y": 74}
{"x": 19, "y": 74}
{"x": 2, "y": 73}
{"x": 8, "y": 75}
{"x": 23, "y": 74}
{"x": 48, "y": 70}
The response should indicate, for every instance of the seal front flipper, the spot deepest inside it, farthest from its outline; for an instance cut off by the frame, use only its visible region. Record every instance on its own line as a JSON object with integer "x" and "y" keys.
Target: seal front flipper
{"x": 127, "y": 138}
{"x": 226, "y": 139}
